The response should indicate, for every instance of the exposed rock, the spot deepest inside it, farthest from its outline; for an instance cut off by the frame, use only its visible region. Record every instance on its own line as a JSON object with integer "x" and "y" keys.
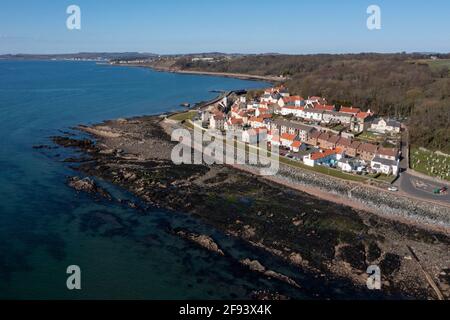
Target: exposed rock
{"x": 202, "y": 240}
{"x": 73, "y": 143}
{"x": 268, "y": 296}
{"x": 296, "y": 259}
{"x": 87, "y": 185}
{"x": 282, "y": 230}
{"x": 255, "y": 265}
{"x": 249, "y": 232}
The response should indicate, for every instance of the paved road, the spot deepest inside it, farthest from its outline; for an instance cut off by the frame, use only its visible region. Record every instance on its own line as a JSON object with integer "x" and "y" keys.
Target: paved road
{"x": 415, "y": 186}
{"x": 421, "y": 188}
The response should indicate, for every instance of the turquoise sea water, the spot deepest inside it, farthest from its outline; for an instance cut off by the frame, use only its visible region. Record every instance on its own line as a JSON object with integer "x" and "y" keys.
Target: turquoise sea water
{"x": 123, "y": 254}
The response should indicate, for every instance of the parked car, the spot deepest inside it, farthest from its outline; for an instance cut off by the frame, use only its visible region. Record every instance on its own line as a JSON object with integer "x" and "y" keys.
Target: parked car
{"x": 393, "y": 189}
{"x": 442, "y": 190}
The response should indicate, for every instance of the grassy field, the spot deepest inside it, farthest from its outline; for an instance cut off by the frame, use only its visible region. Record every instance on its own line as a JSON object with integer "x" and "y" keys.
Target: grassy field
{"x": 367, "y": 136}
{"x": 183, "y": 116}
{"x": 436, "y": 65}
{"x": 430, "y": 163}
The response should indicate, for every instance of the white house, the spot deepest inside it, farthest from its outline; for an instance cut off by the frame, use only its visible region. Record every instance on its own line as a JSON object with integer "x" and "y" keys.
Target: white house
{"x": 388, "y": 153}
{"x": 273, "y": 137}
{"x": 314, "y": 115}
{"x": 254, "y": 136}
{"x": 295, "y": 146}
{"x": 386, "y": 126}
{"x": 205, "y": 117}
{"x": 217, "y": 122}
{"x": 295, "y": 101}
{"x": 350, "y": 165}
{"x": 261, "y": 110}
{"x": 320, "y": 157}
{"x": 256, "y": 122}
{"x": 346, "y": 165}
{"x": 292, "y": 110}
{"x": 286, "y": 140}
{"x": 388, "y": 167}
{"x": 233, "y": 124}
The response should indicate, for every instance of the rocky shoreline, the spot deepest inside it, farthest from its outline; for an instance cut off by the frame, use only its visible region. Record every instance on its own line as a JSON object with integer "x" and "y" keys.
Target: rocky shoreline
{"x": 272, "y": 79}
{"x": 386, "y": 204}
{"x": 312, "y": 234}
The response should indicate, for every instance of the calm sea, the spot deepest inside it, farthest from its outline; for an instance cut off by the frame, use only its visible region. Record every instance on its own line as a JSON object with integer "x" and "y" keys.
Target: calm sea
{"x": 46, "y": 226}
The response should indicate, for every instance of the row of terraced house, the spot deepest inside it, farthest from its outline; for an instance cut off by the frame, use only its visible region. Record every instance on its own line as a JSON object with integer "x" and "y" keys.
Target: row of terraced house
{"x": 269, "y": 118}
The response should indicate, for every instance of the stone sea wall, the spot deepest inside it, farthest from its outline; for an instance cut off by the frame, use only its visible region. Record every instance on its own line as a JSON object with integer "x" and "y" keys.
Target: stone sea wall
{"x": 383, "y": 202}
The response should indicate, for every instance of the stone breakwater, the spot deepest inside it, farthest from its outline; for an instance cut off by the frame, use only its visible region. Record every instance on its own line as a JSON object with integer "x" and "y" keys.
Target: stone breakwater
{"x": 374, "y": 199}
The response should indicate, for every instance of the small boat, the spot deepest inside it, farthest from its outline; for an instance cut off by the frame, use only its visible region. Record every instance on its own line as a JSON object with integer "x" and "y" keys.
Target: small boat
{"x": 186, "y": 105}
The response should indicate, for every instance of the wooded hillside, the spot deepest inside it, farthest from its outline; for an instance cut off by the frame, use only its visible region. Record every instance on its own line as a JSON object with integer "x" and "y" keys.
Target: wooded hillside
{"x": 397, "y": 85}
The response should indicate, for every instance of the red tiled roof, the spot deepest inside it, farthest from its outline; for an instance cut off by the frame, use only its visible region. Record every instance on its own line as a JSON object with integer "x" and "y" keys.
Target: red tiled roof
{"x": 351, "y": 110}
{"x": 292, "y": 99}
{"x": 363, "y": 115}
{"x": 323, "y": 107}
{"x": 236, "y": 121}
{"x": 287, "y": 136}
{"x": 296, "y": 144}
{"x": 322, "y": 154}
{"x": 293, "y": 108}
{"x": 256, "y": 131}
{"x": 255, "y": 119}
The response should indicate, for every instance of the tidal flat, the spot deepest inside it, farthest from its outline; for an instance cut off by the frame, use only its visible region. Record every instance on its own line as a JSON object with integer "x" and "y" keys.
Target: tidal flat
{"x": 329, "y": 240}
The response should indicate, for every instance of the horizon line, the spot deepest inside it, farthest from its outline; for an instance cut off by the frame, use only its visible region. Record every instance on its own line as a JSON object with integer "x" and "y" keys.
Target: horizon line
{"x": 224, "y": 53}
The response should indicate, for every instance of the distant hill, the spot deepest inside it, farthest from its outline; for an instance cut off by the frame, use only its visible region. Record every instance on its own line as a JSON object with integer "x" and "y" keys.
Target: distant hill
{"x": 81, "y": 56}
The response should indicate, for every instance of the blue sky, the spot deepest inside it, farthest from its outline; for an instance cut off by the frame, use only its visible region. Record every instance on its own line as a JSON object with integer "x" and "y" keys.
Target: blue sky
{"x": 246, "y": 26}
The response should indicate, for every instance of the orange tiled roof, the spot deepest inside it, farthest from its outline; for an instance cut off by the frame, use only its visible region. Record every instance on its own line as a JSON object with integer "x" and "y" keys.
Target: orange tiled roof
{"x": 292, "y": 99}
{"x": 363, "y": 115}
{"x": 255, "y": 119}
{"x": 296, "y": 144}
{"x": 287, "y": 136}
{"x": 323, "y": 107}
{"x": 236, "y": 121}
{"x": 350, "y": 110}
{"x": 323, "y": 154}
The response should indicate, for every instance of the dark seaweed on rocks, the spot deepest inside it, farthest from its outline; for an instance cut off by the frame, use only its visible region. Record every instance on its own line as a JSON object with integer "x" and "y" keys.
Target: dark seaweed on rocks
{"x": 305, "y": 231}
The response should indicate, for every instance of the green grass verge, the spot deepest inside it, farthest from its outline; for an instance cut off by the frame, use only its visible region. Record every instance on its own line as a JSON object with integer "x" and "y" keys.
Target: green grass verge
{"x": 325, "y": 170}
{"x": 183, "y": 116}
{"x": 430, "y": 163}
